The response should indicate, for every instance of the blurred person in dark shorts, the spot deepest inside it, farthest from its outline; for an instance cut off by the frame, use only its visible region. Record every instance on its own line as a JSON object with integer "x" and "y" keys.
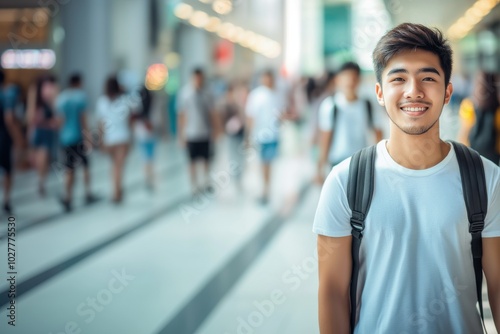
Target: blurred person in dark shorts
{"x": 71, "y": 109}
{"x": 8, "y": 131}
{"x": 197, "y": 124}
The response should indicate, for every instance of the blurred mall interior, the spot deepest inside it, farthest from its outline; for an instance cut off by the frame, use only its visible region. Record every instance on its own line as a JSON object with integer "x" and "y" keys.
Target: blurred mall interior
{"x": 166, "y": 259}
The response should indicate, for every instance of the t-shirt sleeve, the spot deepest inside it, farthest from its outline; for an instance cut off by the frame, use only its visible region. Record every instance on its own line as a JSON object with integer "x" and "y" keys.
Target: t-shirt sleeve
{"x": 325, "y": 115}
{"x": 492, "y": 221}
{"x": 251, "y": 106}
{"x": 333, "y": 214}
{"x": 84, "y": 102}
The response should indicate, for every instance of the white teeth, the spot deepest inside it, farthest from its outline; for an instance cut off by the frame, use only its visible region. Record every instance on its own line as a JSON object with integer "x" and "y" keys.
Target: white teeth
{"x": 414, "y": 109}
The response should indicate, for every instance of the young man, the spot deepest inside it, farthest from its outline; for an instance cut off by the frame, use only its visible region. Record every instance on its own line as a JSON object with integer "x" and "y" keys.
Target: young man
{"x": 9, "y": 130}
{"x": 197, "y": 125}
{"x": 263, "y": 110}
{"x": 416, "y": 270}
{"x": 345, "y": 131}
{"x": 71, "y": 107}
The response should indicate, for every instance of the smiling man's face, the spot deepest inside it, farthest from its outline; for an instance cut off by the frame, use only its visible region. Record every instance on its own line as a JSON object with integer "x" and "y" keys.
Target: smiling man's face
{"x": 413, "y": 91}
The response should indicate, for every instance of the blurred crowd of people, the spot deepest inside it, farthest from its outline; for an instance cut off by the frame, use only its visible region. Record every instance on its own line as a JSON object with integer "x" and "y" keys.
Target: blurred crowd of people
{"x": 52, "y": 132}
{"x": 53, "y": 125}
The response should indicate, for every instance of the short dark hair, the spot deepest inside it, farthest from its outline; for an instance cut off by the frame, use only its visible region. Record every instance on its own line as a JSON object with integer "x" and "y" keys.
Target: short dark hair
{"x": 75, "y": 79}
{"x": 349, "y": 66}
{"x": 412, "y": 36}
{"x": 112, "y": 88}
{"x": 198, "y": 71}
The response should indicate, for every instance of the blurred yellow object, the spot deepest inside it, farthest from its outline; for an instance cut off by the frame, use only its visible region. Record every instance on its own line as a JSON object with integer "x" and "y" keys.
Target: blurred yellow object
{"x": 467, "y": 113}
{"x": 468, "y": 119}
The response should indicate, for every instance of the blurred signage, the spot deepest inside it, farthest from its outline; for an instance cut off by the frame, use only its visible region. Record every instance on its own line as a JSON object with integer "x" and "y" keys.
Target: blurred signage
{"x": 223, "y": 53}
{"x": 28, "y": 59}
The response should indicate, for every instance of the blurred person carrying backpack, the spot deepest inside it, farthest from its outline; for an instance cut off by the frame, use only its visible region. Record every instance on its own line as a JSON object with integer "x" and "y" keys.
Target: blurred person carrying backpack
{"x": 480, "y": 118}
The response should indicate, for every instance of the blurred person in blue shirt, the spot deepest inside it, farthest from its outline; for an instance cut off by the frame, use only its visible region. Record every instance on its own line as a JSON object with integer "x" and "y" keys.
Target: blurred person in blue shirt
{"x": 71, "y": 107}
{"x": 8, "y": 131}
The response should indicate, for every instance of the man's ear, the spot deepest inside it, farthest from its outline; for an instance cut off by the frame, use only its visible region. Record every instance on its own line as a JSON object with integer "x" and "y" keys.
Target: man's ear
{"x": 448, "y": 92}
{"x": 380, "y": 94}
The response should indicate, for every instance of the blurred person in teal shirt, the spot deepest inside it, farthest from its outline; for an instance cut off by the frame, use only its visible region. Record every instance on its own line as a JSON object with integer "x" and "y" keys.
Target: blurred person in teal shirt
{"x": 71, "y": 107}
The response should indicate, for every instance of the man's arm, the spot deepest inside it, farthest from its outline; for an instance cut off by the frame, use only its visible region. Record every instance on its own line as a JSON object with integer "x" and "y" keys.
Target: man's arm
{"x": 181, "y": 121}
{"x": 216, "y": 122}
{"x": 13, "y": 127}
{"x": 335, "y": 263}
{"x": 491, "y": 268}
{"x": 325, "y": 141}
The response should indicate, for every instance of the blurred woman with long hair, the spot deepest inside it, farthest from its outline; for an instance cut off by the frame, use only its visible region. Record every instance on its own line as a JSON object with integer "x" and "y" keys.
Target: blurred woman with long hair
{"x": 43, "y": 124}
{"x": 480, "y": 117}
{"x": 113, "y": 111}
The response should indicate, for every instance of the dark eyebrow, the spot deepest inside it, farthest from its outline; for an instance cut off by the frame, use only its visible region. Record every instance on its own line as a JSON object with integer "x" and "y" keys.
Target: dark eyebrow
{"x": 396, "y": 70}
{"x": 428, "y": 70}
{"x": 421, "y": 70}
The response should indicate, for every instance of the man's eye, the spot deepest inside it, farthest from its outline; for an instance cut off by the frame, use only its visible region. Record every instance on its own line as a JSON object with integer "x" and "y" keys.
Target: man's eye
{"x": 429, "y": 79}
{"x": 397, "y": 79}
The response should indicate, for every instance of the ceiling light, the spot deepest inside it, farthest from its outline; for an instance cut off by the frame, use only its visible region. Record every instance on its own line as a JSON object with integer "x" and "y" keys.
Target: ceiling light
{"x": 222, "y": 7}
{"x": 199, "y": 19}
{"x": 183, "y": 11}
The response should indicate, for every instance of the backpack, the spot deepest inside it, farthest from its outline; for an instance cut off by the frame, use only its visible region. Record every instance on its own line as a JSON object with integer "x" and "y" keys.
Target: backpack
{"x": 368, "y": 111}
{"x": 360, "y": 191}
{"x": 485, "y": 134}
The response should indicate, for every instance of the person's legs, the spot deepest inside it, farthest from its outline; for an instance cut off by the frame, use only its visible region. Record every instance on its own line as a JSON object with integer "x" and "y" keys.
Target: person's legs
{"x": 6, "y": 165}
{"x": 148, "y": 152}
{"x": 82, "y": 154}
{"x": 42, "y": 162}
{"x": 112, "y": 154}
{"x": 120, "y": 157}
{"x": 70, "y": 163}
{"x": 193, "y": 176}
{"x": 41, "y": 146}
{"x": 205, "y": 157}
{"x": 268, "y": 154}
{"x": 69, "y": 181}
{"x": 193, "y": 155}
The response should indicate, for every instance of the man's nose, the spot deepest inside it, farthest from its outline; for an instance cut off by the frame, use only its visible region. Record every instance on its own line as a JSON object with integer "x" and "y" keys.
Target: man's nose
{"x": 414, "y": 90}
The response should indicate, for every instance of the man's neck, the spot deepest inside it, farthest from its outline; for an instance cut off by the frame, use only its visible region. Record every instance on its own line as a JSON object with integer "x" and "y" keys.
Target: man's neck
{"x": 417, "y": 151}
{"x": 350, "y": 96}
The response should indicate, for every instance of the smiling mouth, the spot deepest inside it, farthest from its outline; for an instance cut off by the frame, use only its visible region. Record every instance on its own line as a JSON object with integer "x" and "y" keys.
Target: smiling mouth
{"x": 414, "y": 111}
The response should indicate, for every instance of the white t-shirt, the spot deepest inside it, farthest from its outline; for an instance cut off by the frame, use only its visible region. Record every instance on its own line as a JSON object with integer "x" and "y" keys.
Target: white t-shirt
{"x": 416, "y": 271}
{"x": 264, "y": 107}
{"x": 196, "y": 105}
{"x": 115, "y": 114}
{"x": 352, "y": 131}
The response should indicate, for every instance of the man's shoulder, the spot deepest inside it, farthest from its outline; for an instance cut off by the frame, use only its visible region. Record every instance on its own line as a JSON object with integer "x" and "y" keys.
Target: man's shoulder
{"x": 326, "y": 105}
{"x": 339, "y": 174}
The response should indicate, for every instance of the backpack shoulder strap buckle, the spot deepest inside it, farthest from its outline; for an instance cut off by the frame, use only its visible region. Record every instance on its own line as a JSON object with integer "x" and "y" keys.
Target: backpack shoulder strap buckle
{"x": 476, "y": 223}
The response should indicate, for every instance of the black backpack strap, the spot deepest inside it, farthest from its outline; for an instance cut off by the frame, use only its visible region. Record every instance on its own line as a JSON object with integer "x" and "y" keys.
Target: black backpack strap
{"x": 360, "y": 187}
{"x": 369, "y": 110}
{"x": 476, "y": 201}
{"x": 334, "y": 113}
